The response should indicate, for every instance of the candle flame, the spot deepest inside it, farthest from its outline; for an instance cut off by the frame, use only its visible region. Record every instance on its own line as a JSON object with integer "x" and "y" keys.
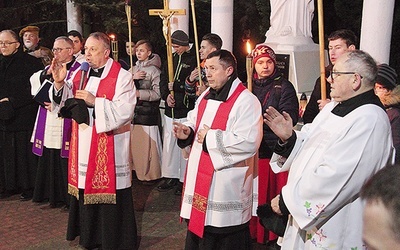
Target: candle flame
{"x": 248, "y": 47}
{"x": 112, "y": 36}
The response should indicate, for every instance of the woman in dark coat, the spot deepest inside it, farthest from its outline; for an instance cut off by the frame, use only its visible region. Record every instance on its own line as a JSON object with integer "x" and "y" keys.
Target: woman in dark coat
{"x": 17, "y": 116}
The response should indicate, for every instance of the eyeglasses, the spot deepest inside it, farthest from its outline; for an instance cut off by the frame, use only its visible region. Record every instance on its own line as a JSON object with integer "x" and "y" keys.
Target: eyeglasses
{"x": 58, "y": 50}
{"x": 6, "y": 44}
{"x": 338, "y": 73}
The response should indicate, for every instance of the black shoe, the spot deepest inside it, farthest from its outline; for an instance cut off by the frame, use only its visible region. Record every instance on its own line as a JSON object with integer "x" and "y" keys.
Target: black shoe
{"x": 178, "y": 189}
{"x": 149, "y": 183}
{"x": 25, "y": 197}
{"x": 167, "y": 184}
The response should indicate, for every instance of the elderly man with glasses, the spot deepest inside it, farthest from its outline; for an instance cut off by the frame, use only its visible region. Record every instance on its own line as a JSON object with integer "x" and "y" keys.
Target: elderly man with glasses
{"x": 17, "y": 116}
{"x": 330, "y": 159}
{"x": 51, "y": 135}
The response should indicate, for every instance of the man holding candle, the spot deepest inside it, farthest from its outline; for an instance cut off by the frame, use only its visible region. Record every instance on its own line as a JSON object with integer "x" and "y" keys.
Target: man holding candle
{"x": 272, "y": 90}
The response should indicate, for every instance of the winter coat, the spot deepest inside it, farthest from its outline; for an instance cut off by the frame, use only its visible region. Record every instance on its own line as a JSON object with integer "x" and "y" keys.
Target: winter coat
{"x": 279, "y": 93}
{"x": 19, "y": 113}
{"x": 391, "y": 101}
{"x": 183, "y": 102}
{"x": 147, "y": 110}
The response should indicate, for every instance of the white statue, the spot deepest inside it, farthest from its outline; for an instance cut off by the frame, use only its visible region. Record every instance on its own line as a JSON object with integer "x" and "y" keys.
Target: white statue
{"x": 290, "y": 18}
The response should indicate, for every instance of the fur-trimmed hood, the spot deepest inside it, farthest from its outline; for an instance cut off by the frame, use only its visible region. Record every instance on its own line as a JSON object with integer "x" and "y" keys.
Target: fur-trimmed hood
{"x": 392, "y": 98}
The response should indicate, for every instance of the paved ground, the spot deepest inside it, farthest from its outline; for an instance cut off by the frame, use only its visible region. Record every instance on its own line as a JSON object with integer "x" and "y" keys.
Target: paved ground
{"x": 27, "y": 225}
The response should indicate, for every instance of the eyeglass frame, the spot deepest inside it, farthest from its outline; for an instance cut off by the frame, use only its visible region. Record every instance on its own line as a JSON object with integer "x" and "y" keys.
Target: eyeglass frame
{"x": 6, "y": 44}
{"x": 58, "y": 50}
{"x": 331, "y": 73}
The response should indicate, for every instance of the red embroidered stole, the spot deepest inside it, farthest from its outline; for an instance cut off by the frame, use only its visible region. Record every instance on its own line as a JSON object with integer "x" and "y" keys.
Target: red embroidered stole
{"x": 206, "y": 169}
{"x": 100, "y": 185}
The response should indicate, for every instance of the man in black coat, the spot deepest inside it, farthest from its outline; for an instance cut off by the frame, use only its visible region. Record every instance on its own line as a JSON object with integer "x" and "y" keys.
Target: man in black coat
{"x": 176, "y": 108}
{"x": 17, "y": 116}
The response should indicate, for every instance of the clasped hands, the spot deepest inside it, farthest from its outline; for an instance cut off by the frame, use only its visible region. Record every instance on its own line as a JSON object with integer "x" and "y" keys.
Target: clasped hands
{"x": 182, "y": 132}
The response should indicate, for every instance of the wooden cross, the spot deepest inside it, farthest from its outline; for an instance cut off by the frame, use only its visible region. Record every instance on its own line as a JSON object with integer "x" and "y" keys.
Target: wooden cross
{"x": 166, "y": 14}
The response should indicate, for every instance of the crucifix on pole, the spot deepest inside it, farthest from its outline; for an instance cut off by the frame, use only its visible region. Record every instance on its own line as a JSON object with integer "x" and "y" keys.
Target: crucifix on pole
{"x": 166, "y": 14}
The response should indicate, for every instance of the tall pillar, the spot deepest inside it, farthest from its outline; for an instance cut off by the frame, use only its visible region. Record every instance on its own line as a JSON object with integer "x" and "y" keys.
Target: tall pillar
{"x": 74, "y": 16}
{"x": 376, "y": 28}
{"x": 222, "y": 21}
{"x": 180, "y": 22}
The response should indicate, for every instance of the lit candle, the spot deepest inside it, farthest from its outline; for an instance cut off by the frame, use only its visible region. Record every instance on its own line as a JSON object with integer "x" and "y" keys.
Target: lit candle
{"x": 114, "y": 47}
{"x": 249, "y": 67}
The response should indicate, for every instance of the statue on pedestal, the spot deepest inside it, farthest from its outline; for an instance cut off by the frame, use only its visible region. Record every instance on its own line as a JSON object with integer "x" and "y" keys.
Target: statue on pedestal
{"x": 290, "y": 18}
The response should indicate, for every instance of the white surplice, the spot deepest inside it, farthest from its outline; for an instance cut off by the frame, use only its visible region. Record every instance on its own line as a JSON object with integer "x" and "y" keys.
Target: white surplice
{"x": 230, "y": 196}
{"x": 331, "y": 160}
{"x": 111, "y": 115}
{"x": 54, "y": 125}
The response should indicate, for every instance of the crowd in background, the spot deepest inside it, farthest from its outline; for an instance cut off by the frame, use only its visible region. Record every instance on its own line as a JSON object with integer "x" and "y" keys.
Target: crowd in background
{"x": 76, "y": 125}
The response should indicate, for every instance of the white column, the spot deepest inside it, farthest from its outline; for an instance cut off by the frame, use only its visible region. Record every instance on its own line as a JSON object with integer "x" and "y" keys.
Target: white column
{"x": 74, "y": 16}
{"x": 222, "y": 21}
{"x": 180, "y": 22}
{"x": 376, "y": 28}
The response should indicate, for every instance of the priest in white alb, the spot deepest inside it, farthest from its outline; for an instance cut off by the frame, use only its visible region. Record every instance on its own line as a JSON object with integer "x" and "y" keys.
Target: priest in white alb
{"x": 99, "y": 173}
{"x": 224, "y": 130}
{"x": 330, "y": 159}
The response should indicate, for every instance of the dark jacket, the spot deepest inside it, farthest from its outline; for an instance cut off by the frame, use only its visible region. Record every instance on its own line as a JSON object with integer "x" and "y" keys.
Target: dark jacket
{"x": 20, "y": 112}
{"x": 279, "y": 93}
{"x": 183, "y": 102}
{"x": 391, "y": 101}
{"x": 312, "y": 108}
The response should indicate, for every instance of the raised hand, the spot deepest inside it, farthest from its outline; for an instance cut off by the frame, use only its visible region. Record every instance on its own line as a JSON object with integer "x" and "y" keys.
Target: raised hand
{"x": 59, "y": 72}
{"x": 280, "y": 124}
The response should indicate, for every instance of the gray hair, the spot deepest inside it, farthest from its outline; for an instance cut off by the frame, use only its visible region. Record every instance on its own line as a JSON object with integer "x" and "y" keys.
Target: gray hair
{"x": 66, "y": 39}
{"x": 362, "y": 63}
{"x": 12, "y": 33}
{"x": 103, "y": 38}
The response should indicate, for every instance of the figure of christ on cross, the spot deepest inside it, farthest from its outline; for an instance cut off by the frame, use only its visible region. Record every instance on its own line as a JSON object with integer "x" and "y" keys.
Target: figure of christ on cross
{"x": 166, "y": 14}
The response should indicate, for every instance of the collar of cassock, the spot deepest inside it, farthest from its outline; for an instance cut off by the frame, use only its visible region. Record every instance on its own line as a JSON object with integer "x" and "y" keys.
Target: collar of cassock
{"x": 70, "y": 63}
{"x": 96, "y": 72}
{"x": 351, "y": 104}
{"x": 222, "y": 94}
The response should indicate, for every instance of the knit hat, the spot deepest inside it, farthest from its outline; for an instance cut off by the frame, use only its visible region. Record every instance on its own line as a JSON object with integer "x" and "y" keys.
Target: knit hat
{"x": 30, "y": 28}
{"x": 180, "y": 38}
{"x": 386, "y": 76}
{"x": 263, "y": 50}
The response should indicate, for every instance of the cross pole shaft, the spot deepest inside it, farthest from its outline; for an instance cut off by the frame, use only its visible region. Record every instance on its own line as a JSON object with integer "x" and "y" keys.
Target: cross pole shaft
{"x": 166, "y": 14}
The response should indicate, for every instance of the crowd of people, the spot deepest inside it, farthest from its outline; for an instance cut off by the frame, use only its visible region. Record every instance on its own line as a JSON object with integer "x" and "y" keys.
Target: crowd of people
{"x": 77, "y": 126}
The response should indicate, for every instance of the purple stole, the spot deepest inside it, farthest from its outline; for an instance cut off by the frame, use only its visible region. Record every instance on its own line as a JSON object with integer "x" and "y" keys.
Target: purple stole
{"x": 38, "y": 141}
